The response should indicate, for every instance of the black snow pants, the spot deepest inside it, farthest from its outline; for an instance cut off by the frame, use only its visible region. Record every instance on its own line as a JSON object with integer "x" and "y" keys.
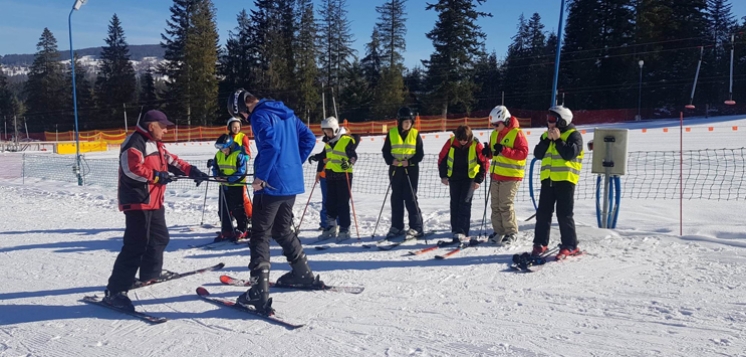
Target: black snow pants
{"x": 563, "y": 194}
{"x": 401, "y": 196}
{"x": 461, "y": 197}
{"x": 272, "y": 218}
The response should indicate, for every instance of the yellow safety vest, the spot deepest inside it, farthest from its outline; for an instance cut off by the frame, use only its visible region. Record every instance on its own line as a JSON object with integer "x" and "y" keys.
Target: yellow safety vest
{"x": 227, "y": 166}
{"x": 238, "y": 139}
{"x": 403, "y": 149}
{"x": 555, "y": 168}
{"x": 502, "y": 165}
{"x": 473, "y": 164}
{"x": 335, "y": 155}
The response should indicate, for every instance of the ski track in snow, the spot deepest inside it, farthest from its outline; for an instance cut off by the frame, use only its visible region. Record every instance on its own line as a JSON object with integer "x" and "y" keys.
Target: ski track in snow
{"x": 639, "y": 290}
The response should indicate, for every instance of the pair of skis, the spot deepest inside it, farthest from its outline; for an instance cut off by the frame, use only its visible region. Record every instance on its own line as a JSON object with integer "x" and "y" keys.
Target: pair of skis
{"x": 526, "y": 263}
{"x": 95, "y": 300}
{"x": 390, "y": 243}
{"x": 205, "y": 295}
{"x": 443, "y": 244}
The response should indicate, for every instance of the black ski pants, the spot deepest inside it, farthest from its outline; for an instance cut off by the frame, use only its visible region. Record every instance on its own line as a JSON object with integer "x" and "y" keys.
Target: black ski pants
{"x": 461, "y": 196}
{"x": 563, "y": 194}
{"x": 233, "y": 202}
{"x": 401, "y": 196}
{"x": 338, "y": 201}
{"x": 272, "y": 217}
{"x": 145, "y": 239}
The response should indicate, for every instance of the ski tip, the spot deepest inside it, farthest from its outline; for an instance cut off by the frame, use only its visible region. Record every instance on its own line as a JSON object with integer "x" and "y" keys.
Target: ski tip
{"x": 220, "y": 266}
{"x": 322, "y": 247}
{"x": 225, "y": 279}
{"x": 439, "y": 257}
{"x": 202, "y": 291}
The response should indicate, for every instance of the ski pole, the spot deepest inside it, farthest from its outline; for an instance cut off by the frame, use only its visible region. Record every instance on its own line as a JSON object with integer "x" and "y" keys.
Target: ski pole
{"x": 416, "y": 200}
{"x": 202, "y": 220}
{"x": 354, "y": 215}
{"x": 382, "y": 205}
{"x": 297, "y": 228}
{"x": 486, "y": 200}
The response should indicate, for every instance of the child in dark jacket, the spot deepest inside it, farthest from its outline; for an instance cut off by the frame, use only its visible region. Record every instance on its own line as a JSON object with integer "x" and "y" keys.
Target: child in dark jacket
{"x": 462, "y": 167}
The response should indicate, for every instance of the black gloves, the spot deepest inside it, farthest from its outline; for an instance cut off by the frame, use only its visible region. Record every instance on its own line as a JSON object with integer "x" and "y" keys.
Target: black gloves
{"x": 486, "y": 150}
{"x": 346, "y": 165}
{"x": 197, "y": 175}
{"x": 497, "y": 149}
{"x": 161, "y": 177}
{"x": 313, "y": 158}
{"x": 210, "y": 163}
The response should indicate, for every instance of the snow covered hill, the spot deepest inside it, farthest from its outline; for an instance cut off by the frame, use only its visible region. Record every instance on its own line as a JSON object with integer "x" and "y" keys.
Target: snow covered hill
{"x": 640, "y": 290}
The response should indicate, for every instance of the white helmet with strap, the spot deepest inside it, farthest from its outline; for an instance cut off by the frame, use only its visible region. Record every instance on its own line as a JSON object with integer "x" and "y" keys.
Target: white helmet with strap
{"x": 500, "y": 114}
{"x": 331, "y": 123}
{"x": 564, "y": 115}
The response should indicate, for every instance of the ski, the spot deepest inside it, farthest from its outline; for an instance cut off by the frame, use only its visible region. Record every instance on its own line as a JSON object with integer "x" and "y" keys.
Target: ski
{"x": 470, "y": 243}
{"x": 95, "y": 300}
{"x": 525, "y": 263}
{"x": 172, "y": 276}
{"x": 205, "y": 295}
{"x": 213, "y": 244}
{"x": 439, "y": 245}
{"x": 389, "y": 244}
{"x": 228, "y": 280}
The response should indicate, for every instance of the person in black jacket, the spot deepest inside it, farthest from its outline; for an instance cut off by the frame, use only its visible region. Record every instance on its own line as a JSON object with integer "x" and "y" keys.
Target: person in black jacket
{"x": 561, "y": 153}
{"x": 403, "y": 158}
{"x": 462, "y": 167}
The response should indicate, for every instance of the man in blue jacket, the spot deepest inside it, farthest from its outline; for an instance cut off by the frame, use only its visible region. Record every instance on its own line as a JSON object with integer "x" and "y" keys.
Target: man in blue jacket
{"x": 283, "y": 144}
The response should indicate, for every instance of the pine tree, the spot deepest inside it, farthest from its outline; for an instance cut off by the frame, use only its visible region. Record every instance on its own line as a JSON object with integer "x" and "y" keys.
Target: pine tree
{"x": 599, "y": 65}
{"x": 335, "y": 41}
{"x": 390, "y": 93}
{"x": 191, "y": 43}
{"x": 45, "y": 85}
{"x": 6, "y": 97}
{"x": 392, "y": 29}
{"x": 148, "y": 95}
{"x": 356, "y": 97}
{"x": 487, "y": 78}
{"x": 116, "y": 83}
{"x": 716, "y": 66}
{"x": 458, "y": 41}
{"x": 238, "y": 59}
{"x": 372, "y": 61}
{"x": 670, "y": 52}
{"x": 306, "y": 53}
{"x": 516, "y": 67}
{"x": 88, "y": 117}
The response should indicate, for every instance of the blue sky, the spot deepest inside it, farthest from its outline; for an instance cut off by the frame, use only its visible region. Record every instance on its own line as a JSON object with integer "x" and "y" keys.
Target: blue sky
{"x": 22, "y": 21}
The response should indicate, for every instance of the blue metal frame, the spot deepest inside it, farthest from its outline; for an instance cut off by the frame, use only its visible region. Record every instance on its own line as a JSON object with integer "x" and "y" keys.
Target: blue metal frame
{"x": 75, "y": 99}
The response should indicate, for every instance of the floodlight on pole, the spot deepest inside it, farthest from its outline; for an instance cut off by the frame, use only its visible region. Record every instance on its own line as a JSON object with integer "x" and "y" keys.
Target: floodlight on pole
{"x": 76, "y": 168}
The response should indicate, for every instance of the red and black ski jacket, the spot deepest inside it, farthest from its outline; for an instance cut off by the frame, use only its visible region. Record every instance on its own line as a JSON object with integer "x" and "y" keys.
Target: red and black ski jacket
{"x": 139, "y": 158}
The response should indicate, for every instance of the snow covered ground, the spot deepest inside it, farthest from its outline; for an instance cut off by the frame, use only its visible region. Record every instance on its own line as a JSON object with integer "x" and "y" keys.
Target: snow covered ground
{"x": 641, "y": 290}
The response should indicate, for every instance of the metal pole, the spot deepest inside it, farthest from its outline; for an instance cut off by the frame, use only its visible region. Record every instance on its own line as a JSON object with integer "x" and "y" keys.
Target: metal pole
{"x": 639, "y": 93}
{"x": 124, "y": 106}
{"x": 557, "y": 56}
{"x": 75, "y": 99}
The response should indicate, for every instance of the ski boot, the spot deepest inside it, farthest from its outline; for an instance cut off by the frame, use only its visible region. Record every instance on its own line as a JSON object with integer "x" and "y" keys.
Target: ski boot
{"x": 494, "y": 238}
{"x": 344, "y": 234}
{"x": 509, "y": 239}
{"x": 300, "y": 275}
{"x": 329, "y": 232}
{"x": 414, "y": 234}
{"x": 394, "y": 232}
{"x": 257, "y": 297}
{"x": 119, "y": 300}
{"x": 566, "y": 252}
{"x": 459, "y": 238}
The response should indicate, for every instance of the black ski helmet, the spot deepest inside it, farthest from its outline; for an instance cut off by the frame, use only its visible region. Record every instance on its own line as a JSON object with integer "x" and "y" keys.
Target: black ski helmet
{"x": 405, "y": 114}
{"x": 224, "y": 141}
{"x": 237, "y": 103}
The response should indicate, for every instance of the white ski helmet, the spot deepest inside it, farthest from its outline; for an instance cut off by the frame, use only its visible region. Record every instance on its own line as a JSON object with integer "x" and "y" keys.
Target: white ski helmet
{"x": 563, "y": 114}
{"x": 231, "y": 121}
{"x": 331, "y": 123}
{"x": 500, "y": 114}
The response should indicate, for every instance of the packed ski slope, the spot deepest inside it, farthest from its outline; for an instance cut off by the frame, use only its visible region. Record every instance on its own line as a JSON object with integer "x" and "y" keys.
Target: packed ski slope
{"x": 640, "y": 290}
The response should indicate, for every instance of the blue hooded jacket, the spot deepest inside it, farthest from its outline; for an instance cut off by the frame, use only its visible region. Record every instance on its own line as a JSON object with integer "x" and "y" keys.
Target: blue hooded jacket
{"x": 283, "y": 144}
